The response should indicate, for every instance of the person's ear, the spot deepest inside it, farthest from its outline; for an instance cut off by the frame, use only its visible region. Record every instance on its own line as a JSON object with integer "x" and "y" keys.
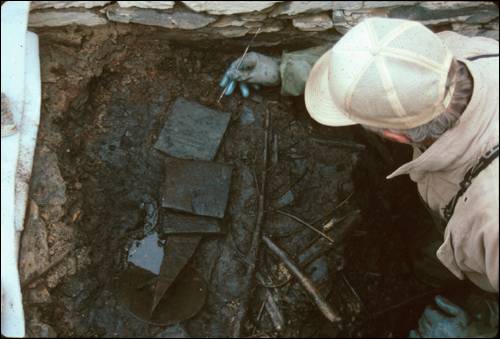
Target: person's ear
{"x": 403, "y": 139}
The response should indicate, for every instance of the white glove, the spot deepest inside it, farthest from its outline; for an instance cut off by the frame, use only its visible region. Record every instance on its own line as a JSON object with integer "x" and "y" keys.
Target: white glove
{"x": 255, "y": 69}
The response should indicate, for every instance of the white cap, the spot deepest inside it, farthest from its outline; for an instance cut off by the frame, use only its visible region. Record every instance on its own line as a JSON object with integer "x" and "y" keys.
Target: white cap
{"x": 387, "y": 73}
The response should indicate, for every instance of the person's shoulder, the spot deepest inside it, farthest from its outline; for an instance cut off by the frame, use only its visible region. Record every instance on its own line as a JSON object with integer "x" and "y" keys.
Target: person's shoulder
{"x": 464, "y": 47}
{"x": 481, "y": 199}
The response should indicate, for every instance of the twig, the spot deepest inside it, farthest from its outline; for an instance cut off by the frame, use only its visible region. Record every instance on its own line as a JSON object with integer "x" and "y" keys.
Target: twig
{"x": 259, "y": 315}
{"x": 254, "y": 249}
{"x": 261, "y": 310}
{"x": 259, "y": 335}
{"x": 272, "y": 307}
{"x": 306, "y": 283}
{"x": 352, "y": 289}
{"x": 311, "y": 227}
{"x": 274, "y": 157}
{"x": 345, "y": 200}
{"x": 276, "y": 285}
{"x": 50, "y": 266}
{"x": 274, "y": 312}
{"x": 406, "y": 302}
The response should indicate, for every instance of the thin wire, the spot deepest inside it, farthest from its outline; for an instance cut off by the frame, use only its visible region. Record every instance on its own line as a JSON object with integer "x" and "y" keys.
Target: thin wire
{"x": 240, "y": 62}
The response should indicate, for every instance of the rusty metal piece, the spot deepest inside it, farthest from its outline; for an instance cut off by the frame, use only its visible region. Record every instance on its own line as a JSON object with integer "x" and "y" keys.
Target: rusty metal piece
{"x": 192, "y": 131}
{"x": 178, "y": 223}
{"x": 196, "y": 187}
{"x": 178, "y": 250}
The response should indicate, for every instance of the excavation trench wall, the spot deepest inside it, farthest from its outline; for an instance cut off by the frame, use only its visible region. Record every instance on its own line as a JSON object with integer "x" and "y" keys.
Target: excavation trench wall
{"x": 280, "y": 22}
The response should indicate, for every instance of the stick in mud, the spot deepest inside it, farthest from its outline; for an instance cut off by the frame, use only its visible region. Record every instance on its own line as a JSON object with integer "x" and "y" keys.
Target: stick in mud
{"x": 318, "y": 299}
{"x": 254, "y": 249}
{"x": 311, "y": 227}
{"x": 272, "y": 307}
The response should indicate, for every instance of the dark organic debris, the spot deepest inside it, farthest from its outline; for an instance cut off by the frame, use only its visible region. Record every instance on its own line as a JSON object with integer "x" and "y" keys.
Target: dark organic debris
{"x": 185, "y": 297}
{"x": 150, "y": 207}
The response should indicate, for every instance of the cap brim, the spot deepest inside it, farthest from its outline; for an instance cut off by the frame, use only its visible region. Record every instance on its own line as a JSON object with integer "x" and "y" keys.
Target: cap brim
{"x": 319, "y": 102}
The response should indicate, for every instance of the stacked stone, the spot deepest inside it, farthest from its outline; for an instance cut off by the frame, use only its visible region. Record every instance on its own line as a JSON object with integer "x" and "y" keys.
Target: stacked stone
{"x": 232, "y": 19}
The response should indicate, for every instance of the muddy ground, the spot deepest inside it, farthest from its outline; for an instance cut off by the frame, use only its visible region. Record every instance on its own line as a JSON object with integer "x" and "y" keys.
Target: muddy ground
{"x": 106, "y": 94}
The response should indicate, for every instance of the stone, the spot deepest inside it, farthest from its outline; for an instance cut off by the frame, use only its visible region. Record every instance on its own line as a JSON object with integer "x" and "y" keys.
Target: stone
{"x": 292, "y": 8}
{"x": 233, "y": 32}
{"x": 150, "y": 208}
{"x": 179, "y": 19}
{"x": 196, "y": 187}
{"x": 34, "y": 252}
{"x": 466, "y": 29}
{"x": 380, "y": 4}
{"x": 436, "y": 5}
{"x": 39, "y": 295}
{"x": 347, "y": 5}
{"x": 38, "y": 329}
{"x": 343, "y": 21}
{"x": 492, "y": 25}
{"x": 492, "y": 34}
{"x": 319, "y": 271}
{"x": 285, "y": 200}
{"x": 147, "y": 4}
{"x": 192, "y": 131}
{"x": 253, "y": 24}
{"x": 272, "y": 27}
{"x": 444, "y": 15}
{"x": 482, "y": 17}
{"x": 253, "y": 16}
{"x": 247, "y": 116}
{"x": 178, "y": 223}
{"x": 147, "y": 253}
{"x": 64, "y": 18}
{"x": 228, "y": 7}
{"x": 82, "y": 256}
{"x": 67, "y": 4}
{"x": 442, "y": 21}
{"x": 312, "y": 23}
{"x": 174, "y": 331}
{"x": 66, "y": 268}
{"x": 229, "y": 21}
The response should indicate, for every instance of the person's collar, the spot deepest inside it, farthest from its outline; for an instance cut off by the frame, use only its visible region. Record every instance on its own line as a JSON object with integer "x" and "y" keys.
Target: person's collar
{"x": 457, "y": 146}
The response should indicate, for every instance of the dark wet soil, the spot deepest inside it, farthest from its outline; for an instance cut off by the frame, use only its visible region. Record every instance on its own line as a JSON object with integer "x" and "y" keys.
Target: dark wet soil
{"x": 107, "y": 130}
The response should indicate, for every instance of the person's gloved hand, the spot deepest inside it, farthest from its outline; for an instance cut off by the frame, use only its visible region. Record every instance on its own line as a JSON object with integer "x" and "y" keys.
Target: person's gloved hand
{"x": 255, "y": 69}
{"x": 447, "y": 320}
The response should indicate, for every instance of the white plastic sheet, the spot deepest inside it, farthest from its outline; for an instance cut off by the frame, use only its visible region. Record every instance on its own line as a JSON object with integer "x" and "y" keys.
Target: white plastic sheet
{"x": 20, "y": 75}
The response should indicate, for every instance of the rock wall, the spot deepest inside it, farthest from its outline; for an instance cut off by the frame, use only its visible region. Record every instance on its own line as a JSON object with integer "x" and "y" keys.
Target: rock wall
{"x": 279, "y": 21}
